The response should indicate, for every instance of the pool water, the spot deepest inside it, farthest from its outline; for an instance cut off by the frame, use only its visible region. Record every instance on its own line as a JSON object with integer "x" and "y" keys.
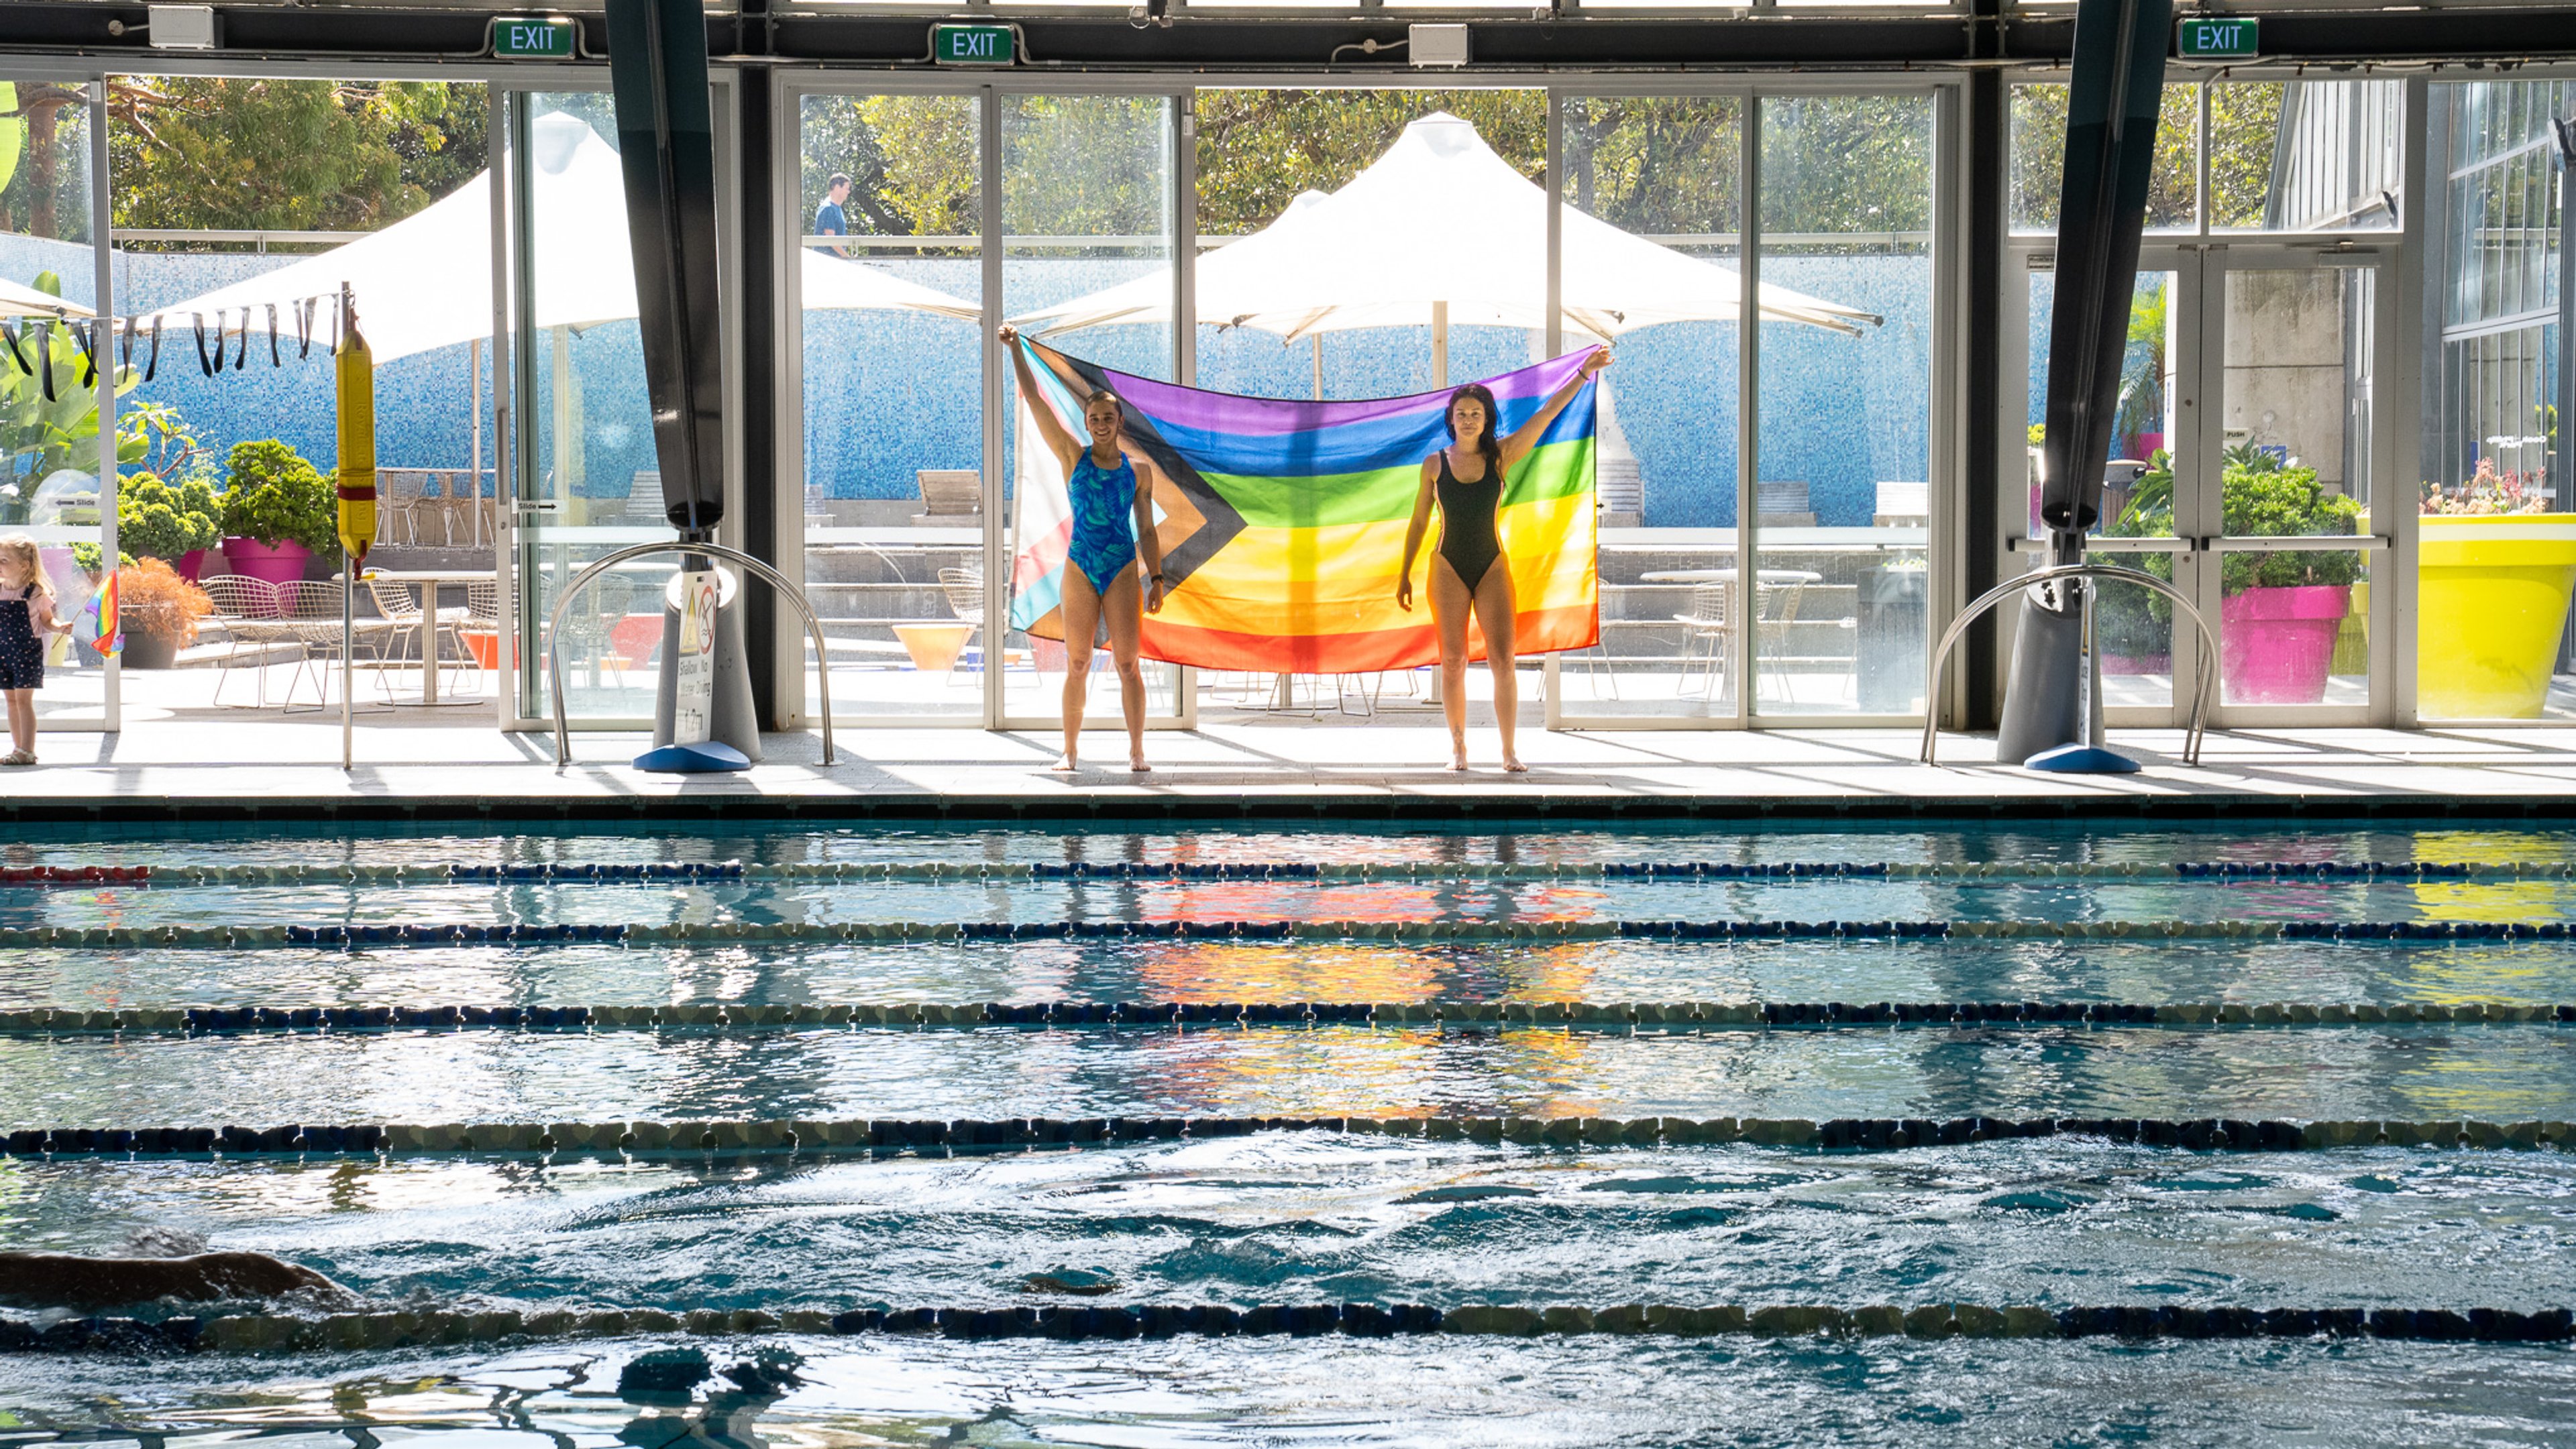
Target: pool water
{"x": 1316, "y": 1216}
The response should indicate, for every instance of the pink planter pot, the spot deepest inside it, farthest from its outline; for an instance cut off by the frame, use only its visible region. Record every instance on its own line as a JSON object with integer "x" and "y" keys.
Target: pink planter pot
{"x": 280, "y": 563}
{"x": 191, "y": 563}
{"x": 2275, "y": 646}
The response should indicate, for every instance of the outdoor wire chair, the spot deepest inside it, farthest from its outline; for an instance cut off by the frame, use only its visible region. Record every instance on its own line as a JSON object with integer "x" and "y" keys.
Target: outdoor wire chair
{"x": 965, "y": 590}
{"x": 1704, "y": 629}
{"x": 254, "y": 624}
{"x": 312, "y": 609}
{"x": 403, "y": 621}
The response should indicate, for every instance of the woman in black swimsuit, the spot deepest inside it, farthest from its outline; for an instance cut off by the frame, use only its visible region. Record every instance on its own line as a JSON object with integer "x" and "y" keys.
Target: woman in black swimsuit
{"x": 1468, "y": 570}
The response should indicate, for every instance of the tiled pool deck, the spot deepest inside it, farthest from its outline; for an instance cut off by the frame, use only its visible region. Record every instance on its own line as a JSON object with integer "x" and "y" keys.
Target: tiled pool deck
{"x": 458, "y": 766}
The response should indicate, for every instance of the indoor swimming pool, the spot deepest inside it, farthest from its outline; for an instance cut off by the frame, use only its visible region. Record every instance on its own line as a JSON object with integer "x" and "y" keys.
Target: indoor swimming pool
{"x": 1887, "y": 1133}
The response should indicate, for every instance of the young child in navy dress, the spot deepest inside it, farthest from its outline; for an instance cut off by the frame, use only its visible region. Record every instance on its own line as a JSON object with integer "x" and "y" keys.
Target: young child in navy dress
{"x": 26, "y": 615}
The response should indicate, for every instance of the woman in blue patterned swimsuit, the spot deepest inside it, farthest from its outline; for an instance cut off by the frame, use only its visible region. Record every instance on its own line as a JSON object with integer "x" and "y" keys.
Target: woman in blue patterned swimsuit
{"x": 1113, "y": 522}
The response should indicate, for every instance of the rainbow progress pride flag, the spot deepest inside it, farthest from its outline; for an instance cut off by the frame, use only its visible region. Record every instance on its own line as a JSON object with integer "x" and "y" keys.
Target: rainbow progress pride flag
{"x": 1282, "y": 523}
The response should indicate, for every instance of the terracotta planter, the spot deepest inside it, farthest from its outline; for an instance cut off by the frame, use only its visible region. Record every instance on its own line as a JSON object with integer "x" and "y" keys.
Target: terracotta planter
{"x": 277, "y": 563}
{"x": 149, "y": 651}
{"x": 2276, "y": 645}
{"x": 2490, "y": 606}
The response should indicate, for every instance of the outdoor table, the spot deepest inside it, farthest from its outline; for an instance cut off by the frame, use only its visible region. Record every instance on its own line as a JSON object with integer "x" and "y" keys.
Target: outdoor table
{"x": 428, "y": 582}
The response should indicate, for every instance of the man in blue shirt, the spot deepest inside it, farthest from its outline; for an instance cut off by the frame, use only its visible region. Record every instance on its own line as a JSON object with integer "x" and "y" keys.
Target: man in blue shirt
{"x": 828, "y": 218}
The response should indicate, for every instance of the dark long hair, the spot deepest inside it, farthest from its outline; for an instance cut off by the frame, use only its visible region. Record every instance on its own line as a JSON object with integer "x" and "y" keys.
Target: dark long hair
{"x": 1488, "y": 445}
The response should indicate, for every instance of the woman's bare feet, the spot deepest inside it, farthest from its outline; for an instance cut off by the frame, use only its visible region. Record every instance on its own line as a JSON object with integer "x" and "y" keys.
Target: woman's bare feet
{"x": 1458, "y": 760}
{"x": 1512, "y": 765}
{"x": 1065, "y": 764}
{"x": 1136, "y": 764}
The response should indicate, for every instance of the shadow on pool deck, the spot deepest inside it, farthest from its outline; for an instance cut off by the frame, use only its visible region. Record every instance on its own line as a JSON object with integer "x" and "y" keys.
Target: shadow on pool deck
{"x": 408, "y": 763}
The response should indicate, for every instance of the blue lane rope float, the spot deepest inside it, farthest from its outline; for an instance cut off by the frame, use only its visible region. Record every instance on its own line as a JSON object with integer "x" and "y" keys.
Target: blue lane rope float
{"x": 418, "y": 935}
{"x": 1331, "y": 872}
{"x": 888, "y": 1136}
{"x": 1609, "y": 1016}
{"x": 253, "y": 1333}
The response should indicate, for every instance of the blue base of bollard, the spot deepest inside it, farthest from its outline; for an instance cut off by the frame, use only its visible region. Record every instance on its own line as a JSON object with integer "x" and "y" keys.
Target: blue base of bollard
{"x": 703, "y": 759}
{"x": 2081, "y": 760}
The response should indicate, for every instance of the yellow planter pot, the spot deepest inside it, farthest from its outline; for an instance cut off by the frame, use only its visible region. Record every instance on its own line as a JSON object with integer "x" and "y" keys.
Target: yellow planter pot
{"x": 2491, "y": 605}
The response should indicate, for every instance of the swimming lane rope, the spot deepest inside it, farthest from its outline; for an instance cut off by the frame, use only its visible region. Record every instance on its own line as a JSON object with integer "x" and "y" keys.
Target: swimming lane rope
{"x": 1445, "y": 1015}
{"x": 342, "y": 936}
{"x": 1329, "y": 872}
{"x": 884, "y": 1136}
{"x": 348, "y": 1332}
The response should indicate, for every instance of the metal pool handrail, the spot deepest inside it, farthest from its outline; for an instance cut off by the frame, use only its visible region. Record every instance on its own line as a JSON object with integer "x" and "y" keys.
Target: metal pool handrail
{"x": 554, "y": 628}
{"x": 2205, "y": 676}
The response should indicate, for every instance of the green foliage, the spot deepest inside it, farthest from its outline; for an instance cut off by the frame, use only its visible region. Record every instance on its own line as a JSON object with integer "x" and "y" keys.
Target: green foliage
{"x": 45, "y": 192}
{"x": 158, "y": 520}
{"x": 39, "y": 436}
{"x": 85, "y": 558}
{"x": 1257, "y": 149}
{"x": 274, "y": 495}
{"x": 156, "y": 436}
{"x": 254, "y": 152}
{"x": 2244, "y": 121}
{"x": 2261, "y": 498}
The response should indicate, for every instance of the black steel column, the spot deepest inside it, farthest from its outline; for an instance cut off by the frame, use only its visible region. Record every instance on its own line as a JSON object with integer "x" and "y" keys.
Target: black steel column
{"x": 1981, "y": 396}
{"x": 755, "y": 169}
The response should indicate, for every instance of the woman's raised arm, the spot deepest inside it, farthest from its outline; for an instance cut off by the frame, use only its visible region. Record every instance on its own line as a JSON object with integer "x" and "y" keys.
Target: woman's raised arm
{"x": 1525, "y": 437}
{"x": 1050, "y": 427}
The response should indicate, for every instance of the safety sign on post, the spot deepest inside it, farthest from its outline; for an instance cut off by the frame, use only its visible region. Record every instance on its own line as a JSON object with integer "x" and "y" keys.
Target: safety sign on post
{"x": 694, "y": 672}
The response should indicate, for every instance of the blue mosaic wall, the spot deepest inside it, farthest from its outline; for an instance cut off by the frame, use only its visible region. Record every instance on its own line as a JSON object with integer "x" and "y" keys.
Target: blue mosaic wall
{"x": 890, "y": 393}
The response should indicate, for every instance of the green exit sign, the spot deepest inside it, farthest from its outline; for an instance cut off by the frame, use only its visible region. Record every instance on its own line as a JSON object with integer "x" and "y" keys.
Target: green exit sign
{"x": 972, "y": 44}
{"x": 535, "y": 37}
{"x": 2234, "y": 39}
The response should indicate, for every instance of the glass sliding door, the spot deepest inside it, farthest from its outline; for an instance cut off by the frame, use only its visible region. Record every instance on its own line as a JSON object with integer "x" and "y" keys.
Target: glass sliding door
{"x": 1839, "y": 600}
{"x": 1668, "y": 171}
{"x": 888, "y": 275}
{"x": 2293, "y": 436}
{"x": 51, "y": 490}
{"x": 587, "y": 480}
{"x": 1086, "y": 205}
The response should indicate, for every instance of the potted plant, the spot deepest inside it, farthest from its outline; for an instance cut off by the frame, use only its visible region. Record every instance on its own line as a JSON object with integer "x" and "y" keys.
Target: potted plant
{"x": 158, "y": 612}
{"x": 2278, "y": 613}
{"x": 2132, "y": 626}
{"x": 2495, "y": 572}
{"x": 279, "y": 511}
{"x": 174, "y": 524}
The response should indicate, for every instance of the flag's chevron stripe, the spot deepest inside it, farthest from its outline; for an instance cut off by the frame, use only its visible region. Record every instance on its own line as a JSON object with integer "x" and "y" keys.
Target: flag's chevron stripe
{"x": 1197, "y": 411}
{"x": 1330, "y": 447}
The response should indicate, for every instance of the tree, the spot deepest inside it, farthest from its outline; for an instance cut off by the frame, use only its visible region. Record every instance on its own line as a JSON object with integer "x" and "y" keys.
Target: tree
{"x": 40, "y": 150}
{"x": 1257, "y": 149}
{"x": 289, "y": 155}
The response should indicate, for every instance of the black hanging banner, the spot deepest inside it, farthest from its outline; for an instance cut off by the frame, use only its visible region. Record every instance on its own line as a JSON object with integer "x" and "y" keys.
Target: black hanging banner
{"x": 657, "y": 54}
{"x": 153, "y": 364}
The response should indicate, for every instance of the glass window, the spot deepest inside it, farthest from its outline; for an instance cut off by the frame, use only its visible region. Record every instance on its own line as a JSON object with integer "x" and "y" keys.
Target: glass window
{"x": 51, "y": 490}
{"x": 1840, "y": 592}
{"x": 1666, "y": 170}
{"x": 2497, "y": 540}
{"x": 243, "y": 205}
{"x": 892, "y": 210}
{"x": 1086, "y": 206}
{"x": 2039, "y": 157}
{"x": 2305, "y": 155}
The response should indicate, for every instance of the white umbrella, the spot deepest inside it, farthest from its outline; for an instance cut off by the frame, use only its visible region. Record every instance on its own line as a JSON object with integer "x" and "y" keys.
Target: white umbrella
{"x": 1440, "y": 220}
{"x": 426, "y": 281}
{"x": 17, "y": 299}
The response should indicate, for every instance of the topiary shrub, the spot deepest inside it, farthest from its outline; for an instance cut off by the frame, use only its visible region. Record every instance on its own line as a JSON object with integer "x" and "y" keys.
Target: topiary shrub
{"x": 273, "y": 495}
{"x": 156, "y": 520}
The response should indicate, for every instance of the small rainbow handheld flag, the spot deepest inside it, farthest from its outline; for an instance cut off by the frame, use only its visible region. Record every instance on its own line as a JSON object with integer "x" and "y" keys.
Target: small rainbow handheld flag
{"x": 1283, "y": 527}
{"x": 99, "y": 625}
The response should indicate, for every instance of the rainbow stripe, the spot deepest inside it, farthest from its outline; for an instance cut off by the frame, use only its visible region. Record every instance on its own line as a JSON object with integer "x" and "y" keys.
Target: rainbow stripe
{"x": 1283, "y": 528}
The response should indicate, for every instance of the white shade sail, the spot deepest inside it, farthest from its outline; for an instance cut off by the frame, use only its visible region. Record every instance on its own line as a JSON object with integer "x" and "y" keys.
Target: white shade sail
{"x": 1441, "y": 219}
{"x": 17, "y": 299}
{"x": 426, "y": 281}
